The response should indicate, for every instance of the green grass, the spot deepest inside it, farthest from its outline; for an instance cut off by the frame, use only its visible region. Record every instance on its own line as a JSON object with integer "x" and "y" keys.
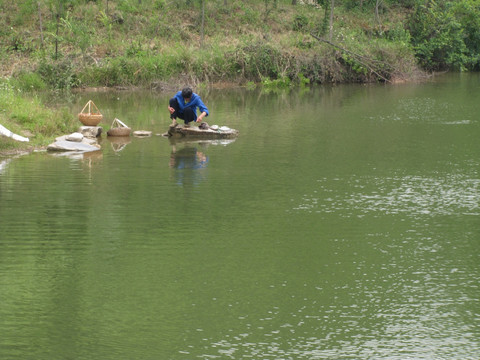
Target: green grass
{"x": 26, "y": 115}
{"x": 139, "y": 43}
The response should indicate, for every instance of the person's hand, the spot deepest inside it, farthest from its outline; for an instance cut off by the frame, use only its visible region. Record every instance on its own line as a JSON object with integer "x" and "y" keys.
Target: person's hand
{"x": 172, "y": 110}
{"x": 201, "y": 116}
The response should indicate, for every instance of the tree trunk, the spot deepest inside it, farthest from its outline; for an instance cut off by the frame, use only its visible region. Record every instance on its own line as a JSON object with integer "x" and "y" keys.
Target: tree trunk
{"x": 58, "y": 15}
{"x": 56, "y": 37}
{"x": 332, "y": 6}
{"x": 40, "y": 20}
{"x": 203, "y": 24}
{"x": 377, "y": 5}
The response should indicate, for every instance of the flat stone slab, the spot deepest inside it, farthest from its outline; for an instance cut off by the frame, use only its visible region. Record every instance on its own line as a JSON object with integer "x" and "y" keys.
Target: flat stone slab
{"x": 65, "y": 145}
{"x": 195, "y": 132}
{"x": 85, "y": 140}
{"x": 142, "y": 133}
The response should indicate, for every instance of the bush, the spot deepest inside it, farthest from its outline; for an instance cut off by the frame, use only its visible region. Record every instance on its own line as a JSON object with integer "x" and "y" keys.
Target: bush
{"x": 27, "y": 81}
{"x": 300, "y": 23}
{"x": 446, "y": 35}
{"x": 58, "y": 74}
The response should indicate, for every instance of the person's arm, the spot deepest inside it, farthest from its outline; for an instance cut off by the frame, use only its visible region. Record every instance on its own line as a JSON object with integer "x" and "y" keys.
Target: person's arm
{"x": 201, "y": 116}
{"x": 203, "y": 109}
{"x": 171, "y": 110}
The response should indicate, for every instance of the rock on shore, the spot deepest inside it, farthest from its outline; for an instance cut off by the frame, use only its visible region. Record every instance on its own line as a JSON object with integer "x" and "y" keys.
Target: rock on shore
{"x": 82, "y": 141}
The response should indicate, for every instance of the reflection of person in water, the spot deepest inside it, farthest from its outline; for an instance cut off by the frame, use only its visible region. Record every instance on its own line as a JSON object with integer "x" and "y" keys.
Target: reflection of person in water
{"x": 188, "y": 161}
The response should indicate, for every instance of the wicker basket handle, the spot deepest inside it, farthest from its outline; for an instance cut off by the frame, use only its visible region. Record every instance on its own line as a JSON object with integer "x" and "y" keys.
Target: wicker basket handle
{"x": 118, "y": 123}
{"x": 90, "y": 104}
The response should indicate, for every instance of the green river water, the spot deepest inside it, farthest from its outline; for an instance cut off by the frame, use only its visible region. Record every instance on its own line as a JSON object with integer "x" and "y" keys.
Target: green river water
{"x": 342, "y": 223}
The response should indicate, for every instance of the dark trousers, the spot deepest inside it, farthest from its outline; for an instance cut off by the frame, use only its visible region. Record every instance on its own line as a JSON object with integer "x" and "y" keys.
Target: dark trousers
{"x": 187, "y": 115}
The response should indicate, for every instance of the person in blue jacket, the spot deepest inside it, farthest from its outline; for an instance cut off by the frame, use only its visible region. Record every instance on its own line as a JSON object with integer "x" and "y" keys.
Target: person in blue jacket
{"x": 184, "y": 105}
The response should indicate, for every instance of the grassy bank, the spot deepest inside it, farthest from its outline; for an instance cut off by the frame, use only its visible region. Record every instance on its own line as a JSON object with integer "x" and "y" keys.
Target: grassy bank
{"x": 151, "y": 43}
{"x": 27, "y": 116}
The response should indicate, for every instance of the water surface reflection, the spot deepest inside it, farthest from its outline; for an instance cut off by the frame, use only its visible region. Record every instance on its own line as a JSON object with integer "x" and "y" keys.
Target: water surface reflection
{"x": 341, "y": 224}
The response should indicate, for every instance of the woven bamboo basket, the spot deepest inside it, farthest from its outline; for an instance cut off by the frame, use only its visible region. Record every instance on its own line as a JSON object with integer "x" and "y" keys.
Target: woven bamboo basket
{"x": 119, "y": 129}
{"x": 90, "y": 118}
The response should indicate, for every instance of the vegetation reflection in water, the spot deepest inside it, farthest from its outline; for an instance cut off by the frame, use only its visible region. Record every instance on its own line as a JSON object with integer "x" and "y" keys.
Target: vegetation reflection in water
{"x": 342, "y": 223}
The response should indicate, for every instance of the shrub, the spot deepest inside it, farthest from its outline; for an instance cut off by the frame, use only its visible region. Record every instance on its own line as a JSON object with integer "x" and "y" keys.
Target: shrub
{"x": 27, "y": 81}
{"x": 58, "y": 74}
{"x": 446, "y": 35}
{"x": 300, "y": 23}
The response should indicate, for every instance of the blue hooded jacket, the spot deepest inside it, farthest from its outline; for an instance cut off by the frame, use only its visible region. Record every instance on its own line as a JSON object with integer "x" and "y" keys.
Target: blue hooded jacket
{"x": 195, "y": 101}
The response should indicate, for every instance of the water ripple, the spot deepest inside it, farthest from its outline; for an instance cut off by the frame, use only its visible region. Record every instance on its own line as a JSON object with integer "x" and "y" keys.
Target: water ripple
{"x": 410, "y": 195}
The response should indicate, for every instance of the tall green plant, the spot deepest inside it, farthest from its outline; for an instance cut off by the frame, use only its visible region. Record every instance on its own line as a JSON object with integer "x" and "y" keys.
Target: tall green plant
{"x": 468, "y": 15}
{"x": 77, "y": 33}
{"x": 445, "y": 34}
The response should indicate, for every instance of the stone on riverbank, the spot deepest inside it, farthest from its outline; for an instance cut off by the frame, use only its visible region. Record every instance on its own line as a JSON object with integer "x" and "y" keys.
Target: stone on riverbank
{"x": 75, "y": 137}
{"x": 142, "y": 133}
{"x": 63, "y": 144}
{"x": 213, "y": 132}
{"x": 90, "y": 131}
